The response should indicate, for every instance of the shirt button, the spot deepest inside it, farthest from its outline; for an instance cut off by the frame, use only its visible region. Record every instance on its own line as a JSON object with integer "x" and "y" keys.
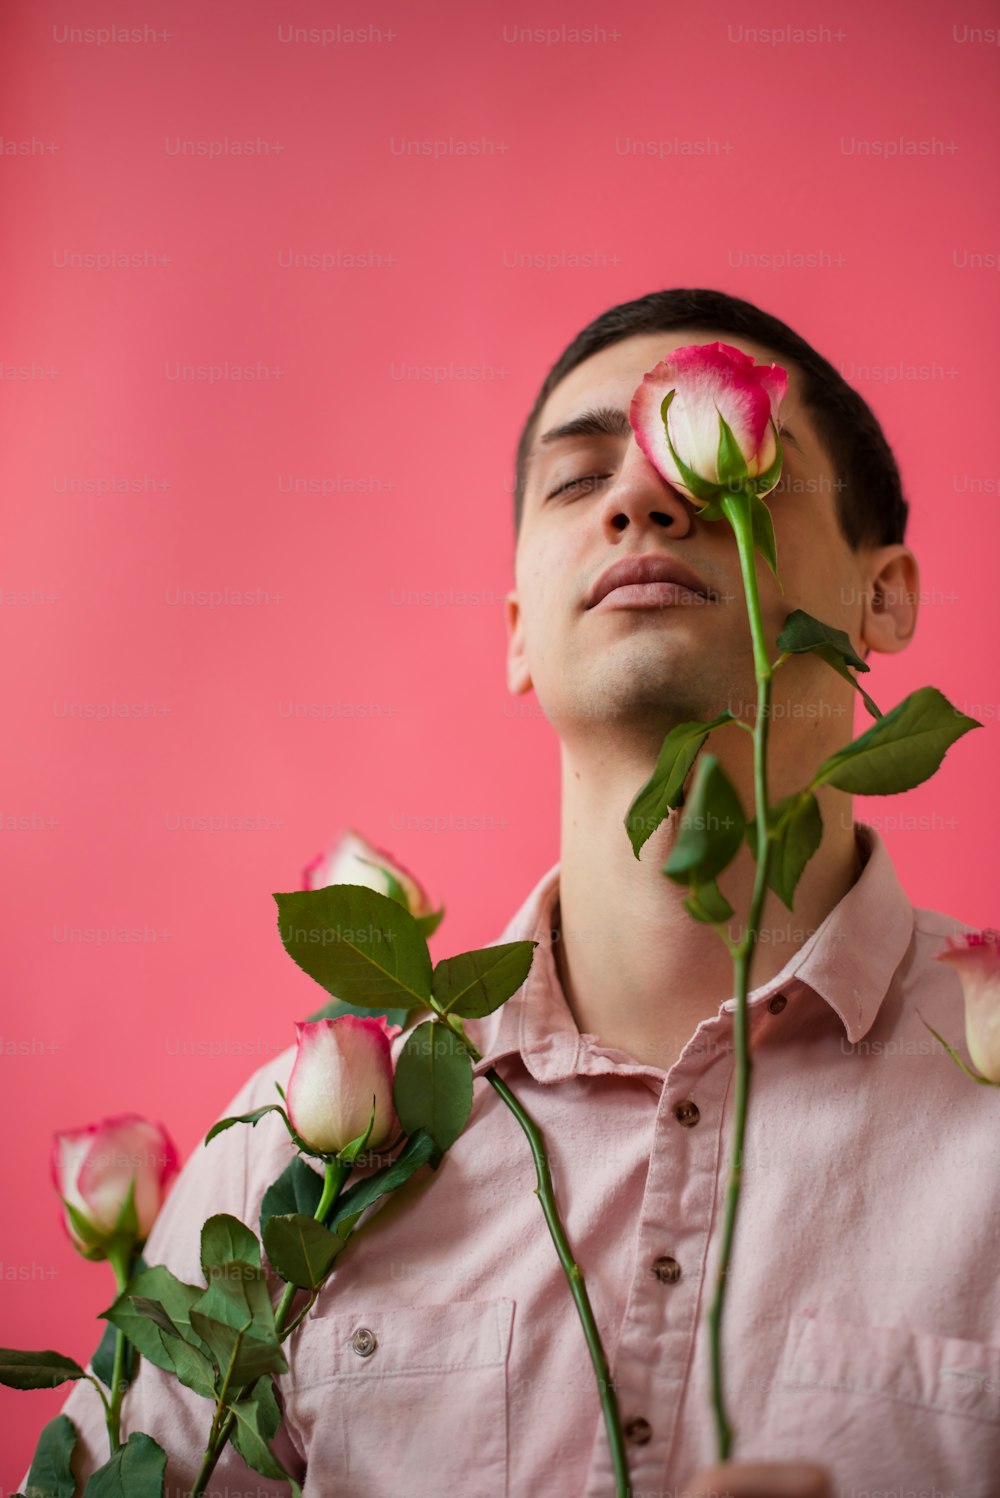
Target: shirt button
{"x": 667, "y": 1270}
{"x": 777, "y": 1003}
{"x": 687, "y": 1114}
{"x": 639, "y": 1431}
{"x": 364, "y": 1342}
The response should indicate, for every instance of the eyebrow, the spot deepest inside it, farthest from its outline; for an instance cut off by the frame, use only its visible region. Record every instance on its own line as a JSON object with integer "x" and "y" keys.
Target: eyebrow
{"x": 600, "y": 421}
{"x": 610, "y": 421}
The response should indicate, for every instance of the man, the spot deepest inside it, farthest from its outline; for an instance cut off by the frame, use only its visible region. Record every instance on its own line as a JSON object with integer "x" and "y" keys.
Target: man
{"x": 861, "y": 1336}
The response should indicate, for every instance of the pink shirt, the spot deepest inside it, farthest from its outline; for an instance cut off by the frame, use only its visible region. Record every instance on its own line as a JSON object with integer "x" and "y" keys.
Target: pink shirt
{"x": 862, "y": 1319}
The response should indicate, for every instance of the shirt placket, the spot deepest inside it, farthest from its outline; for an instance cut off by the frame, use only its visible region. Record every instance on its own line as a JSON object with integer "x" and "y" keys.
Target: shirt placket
{"x": 654, "y": 1354}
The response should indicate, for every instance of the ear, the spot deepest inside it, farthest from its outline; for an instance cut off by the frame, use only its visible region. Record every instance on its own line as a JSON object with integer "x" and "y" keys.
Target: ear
{"x": 518, "y": 675}
{"x": 890, "y": 613}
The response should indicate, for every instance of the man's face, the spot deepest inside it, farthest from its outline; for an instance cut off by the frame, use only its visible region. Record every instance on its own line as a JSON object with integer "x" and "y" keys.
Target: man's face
{"x": 665, "y": 662}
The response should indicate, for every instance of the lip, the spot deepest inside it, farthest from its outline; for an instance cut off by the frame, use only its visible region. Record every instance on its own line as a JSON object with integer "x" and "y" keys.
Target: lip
{"x": 632, "y": 574}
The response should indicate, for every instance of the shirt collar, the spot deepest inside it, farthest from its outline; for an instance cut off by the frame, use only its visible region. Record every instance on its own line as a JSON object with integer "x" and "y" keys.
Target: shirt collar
{"x": 849, "y": 961}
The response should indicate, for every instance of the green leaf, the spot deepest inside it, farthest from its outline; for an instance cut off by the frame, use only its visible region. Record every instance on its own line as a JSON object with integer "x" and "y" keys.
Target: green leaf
{"x": 176, "y": 1298}
{"x": 235, "y": 1320}
{"x": 250, "y": 1118}
{"x": 763, "y": 534}
{"x": 711, "y": 511}
{"x": 135, "y": 1471}
{"x": 473, "y": 984}
{"x": 730, "y": 462}
{"x": 418, "y": 1150}
{"x": 51, "y": 1475}
{"x": 224, "y": 1239}
{"x": 257, "y": 1418}
{"x": 804, "y": 633}
{"x": 238, "y": 1297}
{"x": 986, "y": 1081}
{"x": 799, "y": 833}
{"x": 430, "y": 922}
{"x": 153, "y": 1311}
{"x": 336, "y": 1007}
{"x": 654, "y": 801}
{"x": 254, "y": 1358}
{"x": 432, "y": 1086}
{"x": 192, "y": 1367}
{"x": 711, "y": 829}
{"x": 223, "y": 1305}
{"x": 353, "y": 1147}
{"x": 358, "y": 944}
{"x": 127, "y": 1221}
{"x": 297, "y": 1189}
{"x": 357, "y": 1146}
{"x": 833, "y": 658}
{"x": 37, "y": 1370}
{"x": 301, "y": 1249}
{"x": 94, "y": 1238}
{"x": 189, "y": 1363}
{"x": 707, "y": 903}
{"x": 903, "y": 748}
{"x": 244, "y": 1355}
{"x": 99, "y": 1243}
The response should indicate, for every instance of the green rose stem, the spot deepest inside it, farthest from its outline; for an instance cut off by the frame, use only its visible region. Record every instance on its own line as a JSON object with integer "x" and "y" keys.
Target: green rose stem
{"x": 574, "y": 1274}
{"x": 546, "y": 1195}
{"x": 222, "y": 1422}
{"x": 736, "y": 508}
{"x": 120, "y": 1256}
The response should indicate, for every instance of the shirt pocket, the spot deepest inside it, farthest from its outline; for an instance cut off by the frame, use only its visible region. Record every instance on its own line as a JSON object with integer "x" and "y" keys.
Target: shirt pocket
{"x": 390, "y": 1398}
{"x": 886, "y": 1406}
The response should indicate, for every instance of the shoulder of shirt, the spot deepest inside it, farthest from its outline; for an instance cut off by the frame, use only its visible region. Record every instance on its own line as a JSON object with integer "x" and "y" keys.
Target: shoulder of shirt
{"x": 931, "y": 930}
{"x": 936, "y": 923}
{"x": 259, "y": 1087}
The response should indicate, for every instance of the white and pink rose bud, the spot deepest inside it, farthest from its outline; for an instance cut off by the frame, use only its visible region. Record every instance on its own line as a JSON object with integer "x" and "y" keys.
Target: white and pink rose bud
{"x": 353, "y": 860}
{"x": 705, "y": 417}
{"x": 340, "y": 1066}
{"x": 93, "y": 1169}
{"x": 975, "y": 956}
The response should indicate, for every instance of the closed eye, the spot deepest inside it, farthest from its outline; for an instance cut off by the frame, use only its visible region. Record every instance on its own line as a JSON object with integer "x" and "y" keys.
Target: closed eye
{"x": 590, "y": 479}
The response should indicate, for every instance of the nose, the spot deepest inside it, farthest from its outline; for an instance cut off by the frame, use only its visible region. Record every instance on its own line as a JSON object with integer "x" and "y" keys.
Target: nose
{"x": 641, "y": 496}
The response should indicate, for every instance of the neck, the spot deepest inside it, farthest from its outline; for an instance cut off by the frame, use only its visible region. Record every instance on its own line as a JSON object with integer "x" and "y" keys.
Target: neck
{"x": 637, "y": 970}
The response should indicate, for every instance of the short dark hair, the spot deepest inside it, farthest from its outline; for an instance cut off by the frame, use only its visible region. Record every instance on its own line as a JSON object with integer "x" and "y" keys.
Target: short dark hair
{"x": 871, "y": 509}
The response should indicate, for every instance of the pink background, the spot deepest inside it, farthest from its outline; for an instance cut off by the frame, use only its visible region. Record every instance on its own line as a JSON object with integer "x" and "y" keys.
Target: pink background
{"x": 419, "y": 732}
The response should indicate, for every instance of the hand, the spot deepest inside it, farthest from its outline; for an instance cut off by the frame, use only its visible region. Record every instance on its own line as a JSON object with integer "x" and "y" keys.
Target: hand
{"x": 760, "y": 1480}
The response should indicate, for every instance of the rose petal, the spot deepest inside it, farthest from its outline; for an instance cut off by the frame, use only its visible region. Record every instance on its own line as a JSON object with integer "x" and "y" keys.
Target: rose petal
{"x": 709, "y": 380}
{"x": 93, "y": 1167}
{"x": 339, "y": 1066}
{"x": 350, "y": 861}
{"x": 976, "y": 958}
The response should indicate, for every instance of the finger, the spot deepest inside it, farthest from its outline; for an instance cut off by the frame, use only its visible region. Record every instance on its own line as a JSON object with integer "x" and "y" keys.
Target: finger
{"x": 760, "y": 1480}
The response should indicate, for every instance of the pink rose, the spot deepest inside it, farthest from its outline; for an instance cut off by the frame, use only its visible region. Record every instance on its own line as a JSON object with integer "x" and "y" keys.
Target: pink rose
{"x": 353, "y": 860}
{"x": 340, "y": 1065}
{"x": 93, "y": 1167}
{"x": 976, "y": 958}
{"x": 709, "y": 381}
